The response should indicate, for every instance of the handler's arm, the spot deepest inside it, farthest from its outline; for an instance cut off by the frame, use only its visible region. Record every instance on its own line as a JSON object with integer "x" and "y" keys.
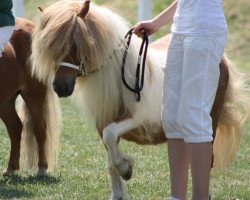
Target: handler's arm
{"x": 165, "y": 16}
{"x": 157, "y": 22}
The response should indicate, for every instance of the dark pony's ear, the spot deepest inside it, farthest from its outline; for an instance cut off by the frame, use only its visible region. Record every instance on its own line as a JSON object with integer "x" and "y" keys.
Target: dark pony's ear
{"x": 40, "y": 8}
{"x": 85, "y": 9}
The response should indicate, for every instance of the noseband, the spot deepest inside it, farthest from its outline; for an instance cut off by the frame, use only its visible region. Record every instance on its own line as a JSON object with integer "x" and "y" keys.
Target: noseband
{"x": 81, "y": 71}
{"x": 80, "y": 68}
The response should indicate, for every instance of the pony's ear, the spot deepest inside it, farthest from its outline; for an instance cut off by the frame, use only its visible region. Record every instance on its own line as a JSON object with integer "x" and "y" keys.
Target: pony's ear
{"x": 40, "y": 8}
{"x": 85, "y": 9}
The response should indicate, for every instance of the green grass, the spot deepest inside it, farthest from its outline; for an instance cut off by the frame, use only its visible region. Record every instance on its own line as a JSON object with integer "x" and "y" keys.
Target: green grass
{"x": 82, "y": 171}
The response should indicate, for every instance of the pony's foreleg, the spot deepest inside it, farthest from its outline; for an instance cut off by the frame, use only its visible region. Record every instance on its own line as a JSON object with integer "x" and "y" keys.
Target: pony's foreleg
{"x": 35, "y": 106}
{"x": 122, "y": 163}
{"x": 14, "y": 126}
{"x": 39, "y": 129}
{"x": 116, "y": 182}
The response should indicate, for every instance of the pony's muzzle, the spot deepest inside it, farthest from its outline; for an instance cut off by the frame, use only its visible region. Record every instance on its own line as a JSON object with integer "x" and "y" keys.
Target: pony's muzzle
{"x": 63, "y": 89}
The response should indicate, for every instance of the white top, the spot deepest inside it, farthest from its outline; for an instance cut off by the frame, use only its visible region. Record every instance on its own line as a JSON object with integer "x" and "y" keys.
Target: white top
{"x": 202, "y": 17}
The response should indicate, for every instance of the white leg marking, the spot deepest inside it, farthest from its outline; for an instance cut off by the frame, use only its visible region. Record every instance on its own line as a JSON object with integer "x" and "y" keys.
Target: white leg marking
{"x": 111, "y": 133}
{"x": 116, "y": 182}
{"x": 114, "y": 130}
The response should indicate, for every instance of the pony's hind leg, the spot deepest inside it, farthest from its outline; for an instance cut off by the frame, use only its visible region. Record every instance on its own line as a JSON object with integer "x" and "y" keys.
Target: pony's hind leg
{"x": 111, "y": 134}
{"x": 13, "y": 124}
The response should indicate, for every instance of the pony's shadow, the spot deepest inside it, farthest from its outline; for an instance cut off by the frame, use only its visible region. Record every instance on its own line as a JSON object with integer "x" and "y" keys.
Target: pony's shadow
{"x": 12, "y": 186}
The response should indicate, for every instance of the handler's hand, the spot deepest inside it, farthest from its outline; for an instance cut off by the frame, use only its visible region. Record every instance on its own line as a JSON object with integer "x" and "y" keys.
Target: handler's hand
{"x": 148, "y": 25}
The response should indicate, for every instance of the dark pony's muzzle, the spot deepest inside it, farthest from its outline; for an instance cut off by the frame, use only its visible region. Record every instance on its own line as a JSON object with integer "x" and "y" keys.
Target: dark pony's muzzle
{"x": 63, "y": 89}
{"x": 64, "y": 81}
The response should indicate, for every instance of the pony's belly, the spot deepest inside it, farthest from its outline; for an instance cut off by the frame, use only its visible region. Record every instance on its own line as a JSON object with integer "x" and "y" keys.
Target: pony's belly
{"x": 140, "y": 136}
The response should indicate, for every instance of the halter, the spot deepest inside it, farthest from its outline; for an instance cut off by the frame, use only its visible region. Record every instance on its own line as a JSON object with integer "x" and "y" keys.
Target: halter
{"x": 138, "y": 85}
{"x": 79, "y": 68}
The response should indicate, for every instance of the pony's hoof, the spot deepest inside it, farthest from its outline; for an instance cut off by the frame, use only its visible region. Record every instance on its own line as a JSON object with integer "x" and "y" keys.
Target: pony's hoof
{"x": 120, "y": 198}
{"x": 125, "y": 168}
{"x": 42, "y": 172}
{"x": 8, "y": 172}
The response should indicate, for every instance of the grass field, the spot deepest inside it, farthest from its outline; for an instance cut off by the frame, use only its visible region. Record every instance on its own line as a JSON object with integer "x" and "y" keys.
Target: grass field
{"x": 82, "y": 171}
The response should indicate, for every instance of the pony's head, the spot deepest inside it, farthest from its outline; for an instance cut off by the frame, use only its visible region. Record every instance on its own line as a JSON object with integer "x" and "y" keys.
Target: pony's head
{"x": 73, "y": 39}
{"x": 66, "y": 74}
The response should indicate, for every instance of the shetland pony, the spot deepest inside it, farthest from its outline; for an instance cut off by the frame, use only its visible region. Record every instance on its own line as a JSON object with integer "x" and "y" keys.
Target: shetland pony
{"x": 79, "y": 47}
{"x": 37, "y": 130}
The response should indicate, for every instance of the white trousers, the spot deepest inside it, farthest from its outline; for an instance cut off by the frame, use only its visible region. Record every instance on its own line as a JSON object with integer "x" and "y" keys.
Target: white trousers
{"x": 5, "y": 35}
{"x": 190, "y": 85}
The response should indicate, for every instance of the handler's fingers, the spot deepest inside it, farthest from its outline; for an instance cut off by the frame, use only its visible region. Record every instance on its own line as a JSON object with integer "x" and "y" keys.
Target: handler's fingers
{"x": 137, "y": 27}
{"x": 138, "y": 30}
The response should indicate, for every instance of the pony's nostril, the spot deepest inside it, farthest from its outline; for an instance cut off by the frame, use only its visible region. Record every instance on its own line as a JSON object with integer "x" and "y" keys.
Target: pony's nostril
{"x": 65, "y": 89}
{"x": 55, "y": 87}
{"x": 59, "y": 88}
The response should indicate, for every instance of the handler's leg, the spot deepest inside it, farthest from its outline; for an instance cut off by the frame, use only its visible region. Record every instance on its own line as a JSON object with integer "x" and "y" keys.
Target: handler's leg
{"x": 177, "y": 149}
{"x": 178, "y": 153}
{"x": 199, "y": 86}
{"x": 200, "y": 159}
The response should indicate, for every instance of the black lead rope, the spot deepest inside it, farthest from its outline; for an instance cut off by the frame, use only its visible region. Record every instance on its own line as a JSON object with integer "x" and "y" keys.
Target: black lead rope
{"x": 144, "y": 47}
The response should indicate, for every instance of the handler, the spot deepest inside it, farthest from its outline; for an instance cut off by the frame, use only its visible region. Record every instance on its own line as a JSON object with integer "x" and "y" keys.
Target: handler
{"x": 199, "y": 32}
{"x": 7, "y": 22}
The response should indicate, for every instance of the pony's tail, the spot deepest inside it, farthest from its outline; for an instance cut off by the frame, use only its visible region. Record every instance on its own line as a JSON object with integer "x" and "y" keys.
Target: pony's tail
{"x": 232, "y": 116}
{"x": 29, "y": 148}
